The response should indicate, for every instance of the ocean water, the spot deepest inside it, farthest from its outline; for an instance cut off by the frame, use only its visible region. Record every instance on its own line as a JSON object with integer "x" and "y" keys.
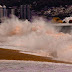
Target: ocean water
{"x": 31, "y": 66}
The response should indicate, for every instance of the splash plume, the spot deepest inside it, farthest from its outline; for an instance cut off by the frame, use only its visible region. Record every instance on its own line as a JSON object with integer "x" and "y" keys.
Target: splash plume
{"x": 38, "y": 36}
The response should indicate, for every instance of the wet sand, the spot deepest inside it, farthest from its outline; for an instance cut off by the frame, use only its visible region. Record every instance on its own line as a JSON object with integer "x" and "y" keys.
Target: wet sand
{"x": 8, "y": 54}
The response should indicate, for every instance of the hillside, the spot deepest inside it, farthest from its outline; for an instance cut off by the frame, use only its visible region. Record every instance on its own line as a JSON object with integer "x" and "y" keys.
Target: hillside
{"x": 39, "y": 2}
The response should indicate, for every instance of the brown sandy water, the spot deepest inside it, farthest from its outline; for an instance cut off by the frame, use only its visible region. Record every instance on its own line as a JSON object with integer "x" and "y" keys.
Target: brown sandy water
{"x": 8, "y": 54}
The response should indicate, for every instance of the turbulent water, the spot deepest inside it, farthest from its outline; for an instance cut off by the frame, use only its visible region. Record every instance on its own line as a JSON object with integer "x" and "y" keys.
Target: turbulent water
{"x": 38, "y": 36}
{"x": 32, "y": 66}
